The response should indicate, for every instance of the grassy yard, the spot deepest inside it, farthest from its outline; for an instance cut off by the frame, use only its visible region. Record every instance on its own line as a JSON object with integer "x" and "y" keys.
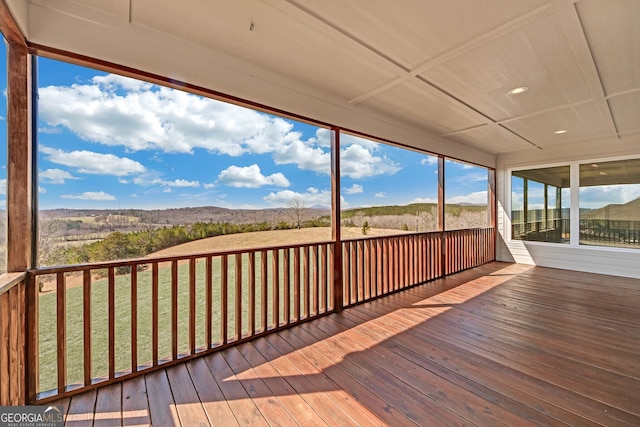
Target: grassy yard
{"x": 99, "y": 317}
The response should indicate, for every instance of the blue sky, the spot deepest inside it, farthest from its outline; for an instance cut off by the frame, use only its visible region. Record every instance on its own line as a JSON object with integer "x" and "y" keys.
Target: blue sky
{"x": 109, "y": 142}
{"x": 593, "y": 197}
{"x": 106, "y": 141}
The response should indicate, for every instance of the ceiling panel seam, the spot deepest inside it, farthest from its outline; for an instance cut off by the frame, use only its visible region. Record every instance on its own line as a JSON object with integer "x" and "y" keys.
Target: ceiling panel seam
{"x": 348, "y": 35}
{"x": 467, "y": 46}
{"x": 572, "y": 24}
{"x": 489, "y": 120}
{"x": 546, "y": 110}
{"x": 123, "y": 10}
{"x": 622, "y": 93}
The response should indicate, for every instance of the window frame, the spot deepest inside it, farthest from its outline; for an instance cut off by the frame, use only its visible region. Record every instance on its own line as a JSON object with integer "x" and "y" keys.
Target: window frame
{"x": 574, "y": 206}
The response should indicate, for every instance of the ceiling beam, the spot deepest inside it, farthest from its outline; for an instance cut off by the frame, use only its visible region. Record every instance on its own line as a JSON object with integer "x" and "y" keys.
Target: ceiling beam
{"x": 9, "y": 27}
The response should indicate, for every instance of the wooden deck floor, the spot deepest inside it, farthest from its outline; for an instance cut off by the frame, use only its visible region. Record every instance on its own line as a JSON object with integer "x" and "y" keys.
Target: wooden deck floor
{"x": 501, "y": 344}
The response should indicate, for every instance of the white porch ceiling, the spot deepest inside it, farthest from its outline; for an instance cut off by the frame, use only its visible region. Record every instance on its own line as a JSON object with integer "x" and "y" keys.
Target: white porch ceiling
{"x": 438, "y": 67}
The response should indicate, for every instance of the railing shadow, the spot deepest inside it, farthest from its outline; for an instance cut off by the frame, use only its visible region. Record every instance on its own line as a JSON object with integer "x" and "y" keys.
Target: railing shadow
{"x": 440, "y": 353}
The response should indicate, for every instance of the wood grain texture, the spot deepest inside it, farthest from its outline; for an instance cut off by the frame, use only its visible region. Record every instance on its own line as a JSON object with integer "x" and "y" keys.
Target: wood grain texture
{"x": 373, "y": 267}
{"x": 19, "y": 160}
{"x": 500, "y": 344}
{"x": 61, "y": 328}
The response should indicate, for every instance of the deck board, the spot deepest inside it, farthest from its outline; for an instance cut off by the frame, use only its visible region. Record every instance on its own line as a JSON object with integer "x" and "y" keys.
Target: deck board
{"x": 135, "y": 406}
{"x": 108, "y": 412}
{"x": 188, "y": 403}
{"x": 162, "y": 407}
{"x": 501, "y": 344}
{"x": 215, "y": 405}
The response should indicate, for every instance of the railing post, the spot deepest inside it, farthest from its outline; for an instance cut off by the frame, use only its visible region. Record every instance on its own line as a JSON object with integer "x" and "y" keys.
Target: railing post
{"x": 335, "y": 220}
{"x": 31, "y": 366}
{"x": 493, "y": 210}
{"x": 441, "y": 218}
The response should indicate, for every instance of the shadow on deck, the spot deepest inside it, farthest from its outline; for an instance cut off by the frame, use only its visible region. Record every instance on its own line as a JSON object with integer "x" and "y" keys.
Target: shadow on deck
{"x": 500, "y": 344}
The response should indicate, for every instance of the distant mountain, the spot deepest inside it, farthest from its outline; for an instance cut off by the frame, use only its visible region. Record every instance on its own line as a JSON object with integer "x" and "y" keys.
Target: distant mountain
{"x": 411, "y": 209}
{"x": 176, "y": 216}
{"x": 628, "y": 212}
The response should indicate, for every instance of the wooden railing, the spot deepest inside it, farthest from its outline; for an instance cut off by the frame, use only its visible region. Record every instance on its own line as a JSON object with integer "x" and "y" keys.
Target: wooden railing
{"x": 468, "y": 248}
{"x": 621, "y": 233}
{"x": 100, "y": 323}
{"x": 374, "y": 267}
{"x": 12, "y": 338}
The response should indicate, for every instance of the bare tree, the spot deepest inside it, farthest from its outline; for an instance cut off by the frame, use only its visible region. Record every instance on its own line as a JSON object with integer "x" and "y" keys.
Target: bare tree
{"x": 48, "y": 234}
{"x": 297, "y": 205}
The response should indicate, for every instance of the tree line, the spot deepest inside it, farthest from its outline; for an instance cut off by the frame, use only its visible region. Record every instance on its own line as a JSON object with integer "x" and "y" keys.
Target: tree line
{"x": 135, "y": 244}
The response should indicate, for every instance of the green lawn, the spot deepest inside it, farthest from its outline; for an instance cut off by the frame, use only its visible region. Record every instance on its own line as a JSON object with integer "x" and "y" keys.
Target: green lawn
{"x": 99, "y": 317}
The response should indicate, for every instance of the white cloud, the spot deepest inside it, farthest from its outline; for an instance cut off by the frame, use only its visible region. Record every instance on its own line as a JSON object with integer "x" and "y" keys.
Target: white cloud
{"x": 357, "y": 161}
{"x": 90, "y": 195}
{"x": 322, "y": 138}
{"x": 423, "y": 200}
{"x": 600, "y": 196}
{"x": 174, "y": 183}
{"x": 477, "y": 198}
{"x": 347, "y": 140}
{"x": 354, "y": 189}
{"x": 115, "y": 110}
{"x": 182, "y": 183}
{"x": 304, "y": 156}
{"x": 114, "y": 81}
{"x": 250, "y": 177}
{"x": 41, "y": 190}
{"x": 55, "y": 176}
{"x": 311, "y": 197}
{"x": 209, "y": 186}
{"x": 90, "y": 162}
{"x": 3, "y": 187}
{"x": 430, "y": 160}
{"x": 49, "y": 130}
{"x": 167, "y": 190}
{"x": 146, "y": 180}
{"x": 516, "y": 201}
{"x": 458, "y": 164}
{"x": 380, "y": 195}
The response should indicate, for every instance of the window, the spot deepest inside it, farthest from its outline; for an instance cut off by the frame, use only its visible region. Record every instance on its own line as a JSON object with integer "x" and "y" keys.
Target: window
{"x": 540, "y": 202}
{"x": 386, "y": 189}
{"x": 610, "y": 203}
{"x": 128, "y": 168}
{"x": 466, "y": 196}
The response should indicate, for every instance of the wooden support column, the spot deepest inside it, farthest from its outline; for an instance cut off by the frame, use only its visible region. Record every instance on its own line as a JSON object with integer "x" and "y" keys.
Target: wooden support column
{"x": 18, "y": 297}
{"x": 546, "y": 205}
{"x": 20, "y": 206}
{"x": 335, "y": 220}
{"x": 441, "y": 221}
{"x": 525, "y": 205}
{"x": 493, "y": 209}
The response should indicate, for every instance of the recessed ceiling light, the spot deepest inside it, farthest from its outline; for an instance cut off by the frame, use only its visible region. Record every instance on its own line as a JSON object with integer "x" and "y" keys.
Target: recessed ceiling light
{"x": 602, "y": 173}
{"x": 560, "y": 132}
{"x": 594, "y": 165}
{"x": 517, "y": 90}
